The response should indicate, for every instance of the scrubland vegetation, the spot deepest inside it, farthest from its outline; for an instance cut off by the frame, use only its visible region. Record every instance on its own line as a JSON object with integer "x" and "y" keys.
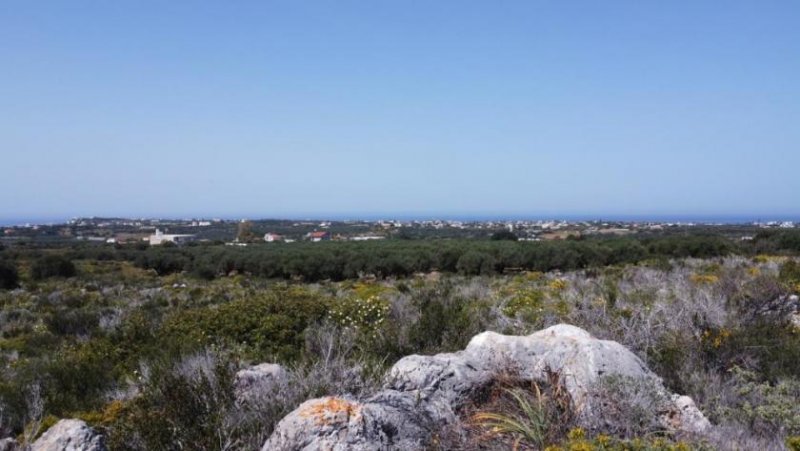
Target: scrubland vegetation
{"x": 143, "y": 344}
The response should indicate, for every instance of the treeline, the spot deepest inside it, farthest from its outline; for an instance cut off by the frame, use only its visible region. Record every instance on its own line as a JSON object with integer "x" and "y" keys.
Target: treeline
{"x": 398, "y": 258}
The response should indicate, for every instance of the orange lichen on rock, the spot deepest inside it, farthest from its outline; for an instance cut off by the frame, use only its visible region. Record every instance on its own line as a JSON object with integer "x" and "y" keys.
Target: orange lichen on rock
{"x": 331, "y": 410}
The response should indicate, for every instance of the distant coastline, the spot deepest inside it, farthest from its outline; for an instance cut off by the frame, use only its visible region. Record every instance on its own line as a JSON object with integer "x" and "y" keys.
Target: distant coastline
{"x": 684, "y": 219}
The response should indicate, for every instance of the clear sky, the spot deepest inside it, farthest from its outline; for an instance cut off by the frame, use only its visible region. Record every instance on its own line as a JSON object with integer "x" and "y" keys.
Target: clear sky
{"x": 301, "y": 108}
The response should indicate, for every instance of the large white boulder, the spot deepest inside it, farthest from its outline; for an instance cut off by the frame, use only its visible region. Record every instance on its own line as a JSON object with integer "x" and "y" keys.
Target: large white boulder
{"x": 422, "y": 394}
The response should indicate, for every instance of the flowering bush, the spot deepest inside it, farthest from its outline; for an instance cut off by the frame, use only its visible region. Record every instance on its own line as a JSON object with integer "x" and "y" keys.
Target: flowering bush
{"x": 365, "y": 315}
{"x": 525, "y": 302}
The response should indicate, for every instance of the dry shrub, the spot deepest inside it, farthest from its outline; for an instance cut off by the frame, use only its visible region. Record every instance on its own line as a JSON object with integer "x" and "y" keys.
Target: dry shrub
{"x": 626, "y": 407}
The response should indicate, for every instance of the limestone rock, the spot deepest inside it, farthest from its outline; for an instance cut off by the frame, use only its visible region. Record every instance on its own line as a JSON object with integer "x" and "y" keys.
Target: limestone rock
{"x": 70, "y": 435}
{"x": 687, "y": 417}
{"x": 256, "y": 380}
{"x": 423, "y": 394}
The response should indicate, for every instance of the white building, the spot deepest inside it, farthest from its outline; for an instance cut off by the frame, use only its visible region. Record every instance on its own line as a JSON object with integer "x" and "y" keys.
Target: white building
{"x": 160, "y": 238}
{"x": 366, "y": 237}
{"x": 272, "y": 237}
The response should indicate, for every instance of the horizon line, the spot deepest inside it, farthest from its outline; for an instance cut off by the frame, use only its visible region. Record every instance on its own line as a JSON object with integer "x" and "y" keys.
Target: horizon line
{"x": 726, "y": 218}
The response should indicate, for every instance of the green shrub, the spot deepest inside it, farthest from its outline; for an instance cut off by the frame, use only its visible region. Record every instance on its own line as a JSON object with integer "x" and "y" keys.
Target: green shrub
{"x": 527, "y": 303}
{"x": 72, "y": 321}
{"x": 671, "y": 357}
{"x": 445, "y": 321}
{"x": 775, "y": 350}
{"x": 77, "y": 379}
{"x": 52, "y": 266}
{"x": 9, "y": 277}
{"x": 790, "y": 273}
{"x": 767, "y": 408}
{"x": 182, "y": 405}
{"x": 268, "y": 325}
{"x": 475, "y": 262}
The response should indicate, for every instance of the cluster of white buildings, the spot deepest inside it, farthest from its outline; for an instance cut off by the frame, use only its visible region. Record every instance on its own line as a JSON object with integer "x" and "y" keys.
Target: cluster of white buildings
{"x": 778, "y": 224}
{"x": 318, "y": 236}
{"x": 160, "y": 238}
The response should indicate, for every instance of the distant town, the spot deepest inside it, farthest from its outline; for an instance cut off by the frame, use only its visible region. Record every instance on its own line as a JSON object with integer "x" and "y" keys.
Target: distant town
{"x": 243, "y": 232}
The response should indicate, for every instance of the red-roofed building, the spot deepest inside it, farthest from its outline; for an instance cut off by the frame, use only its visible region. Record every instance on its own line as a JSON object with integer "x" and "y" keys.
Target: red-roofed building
{"x": 272, "y": 237}
{"x": 318, "y": 236}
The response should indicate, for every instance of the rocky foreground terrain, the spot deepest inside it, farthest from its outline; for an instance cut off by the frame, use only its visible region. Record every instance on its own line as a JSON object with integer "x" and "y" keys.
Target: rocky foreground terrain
{"x": 424, "y": 396}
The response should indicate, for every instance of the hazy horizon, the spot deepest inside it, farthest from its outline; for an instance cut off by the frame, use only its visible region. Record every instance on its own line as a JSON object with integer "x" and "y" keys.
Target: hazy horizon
{"x": 722, "y": 219}
{"x": 445, "y": 108}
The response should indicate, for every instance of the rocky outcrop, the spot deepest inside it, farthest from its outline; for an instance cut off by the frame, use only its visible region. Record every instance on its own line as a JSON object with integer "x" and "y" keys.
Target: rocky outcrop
{"x": 70, "y": 435}
{"x": 252, "y": 382}
{"x": 9, "y": 444}
{"x": 423, "y": 394}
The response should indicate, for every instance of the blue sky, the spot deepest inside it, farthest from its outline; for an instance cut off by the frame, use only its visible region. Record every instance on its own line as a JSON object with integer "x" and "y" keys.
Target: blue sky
{"x": 300, "y": 108}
